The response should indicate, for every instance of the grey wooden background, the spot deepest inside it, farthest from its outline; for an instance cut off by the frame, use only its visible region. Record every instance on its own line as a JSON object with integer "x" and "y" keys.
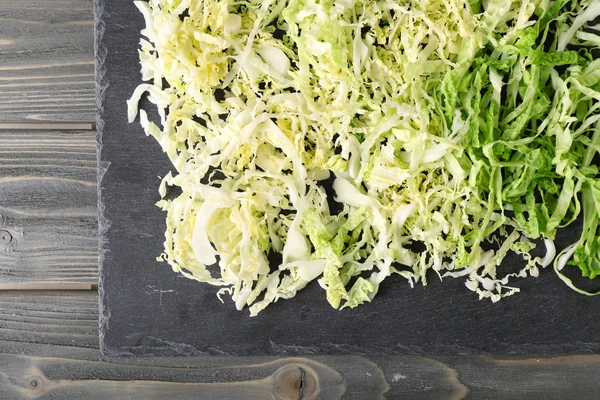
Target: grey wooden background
{"x": 48, "y": 339}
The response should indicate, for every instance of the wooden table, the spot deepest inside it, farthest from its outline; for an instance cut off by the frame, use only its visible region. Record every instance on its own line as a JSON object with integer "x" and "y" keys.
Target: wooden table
{"x": 48, "y": 241}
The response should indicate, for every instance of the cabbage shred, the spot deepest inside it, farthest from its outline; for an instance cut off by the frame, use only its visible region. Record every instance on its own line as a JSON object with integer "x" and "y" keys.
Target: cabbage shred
{"x": 360, "y": 139}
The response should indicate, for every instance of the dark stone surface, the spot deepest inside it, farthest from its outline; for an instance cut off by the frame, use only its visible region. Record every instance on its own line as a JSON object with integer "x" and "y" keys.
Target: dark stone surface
{"x": 148, "y": 309}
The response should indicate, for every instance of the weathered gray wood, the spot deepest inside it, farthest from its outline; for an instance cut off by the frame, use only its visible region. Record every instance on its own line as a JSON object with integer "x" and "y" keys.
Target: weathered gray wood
{"x": 46, "y": 286}
{"x": 47, "y": 126}
{"x": 572, "y": 377}
{"x": 46, "y": 61}
{"x": 54, "y": 318}
{"x": 64, "y": 372}
{"x": 79, "y": 375}
{"x": 48, "y": 207}
{"x": 48, "y": 369}
{"x": 48, "y": 349}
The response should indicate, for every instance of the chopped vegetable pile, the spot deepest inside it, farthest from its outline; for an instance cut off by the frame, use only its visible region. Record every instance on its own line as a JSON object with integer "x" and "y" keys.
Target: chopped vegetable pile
{"x": 345, "y": 141}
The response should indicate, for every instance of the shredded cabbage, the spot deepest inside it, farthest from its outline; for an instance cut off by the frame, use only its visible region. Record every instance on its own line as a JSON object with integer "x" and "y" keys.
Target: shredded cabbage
{"x": 345, "y": 141}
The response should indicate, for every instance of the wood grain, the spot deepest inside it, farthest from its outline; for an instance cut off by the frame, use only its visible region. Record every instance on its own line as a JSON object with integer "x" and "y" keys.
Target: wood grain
{"x": 49, "y": 341}
{"x": 48, "y": 349}
{"x": 80, "y": 375}
{"x": 48, "y": 207}
{"x": 571, "y": 377}
{"x": 48, "y": 126}
{"x": 47, "y": 286}
{"x": 52, "y": 318}
{"x": 47, "y": 369}
{"x": 46, "y": 61}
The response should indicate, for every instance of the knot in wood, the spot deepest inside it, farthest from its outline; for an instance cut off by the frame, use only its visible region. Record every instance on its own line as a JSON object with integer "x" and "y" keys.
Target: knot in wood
{"x": 5, "y": 237}
{"x": 294, "y": 382}
{"x": 35, "y": 382}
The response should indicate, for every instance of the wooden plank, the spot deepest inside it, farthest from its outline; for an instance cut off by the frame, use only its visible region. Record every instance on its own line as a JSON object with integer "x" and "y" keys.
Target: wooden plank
{"x": 46, "y": 61}
{"x": 569, "y": 377}
{"x": 67, "y": 374}
{"x": 48, "y": 207}
{"x": 51, "y": 318}
{"x": 52, "y": 126}
{"x": 47, "y": 286}
{"x": 48, "y": 349}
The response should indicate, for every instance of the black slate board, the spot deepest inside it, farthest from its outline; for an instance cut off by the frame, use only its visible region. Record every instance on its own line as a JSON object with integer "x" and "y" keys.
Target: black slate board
{"x": 148, "y": 309}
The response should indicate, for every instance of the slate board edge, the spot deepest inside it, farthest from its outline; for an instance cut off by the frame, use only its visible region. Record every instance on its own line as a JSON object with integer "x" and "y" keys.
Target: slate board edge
{"x": 101, "y": 83}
